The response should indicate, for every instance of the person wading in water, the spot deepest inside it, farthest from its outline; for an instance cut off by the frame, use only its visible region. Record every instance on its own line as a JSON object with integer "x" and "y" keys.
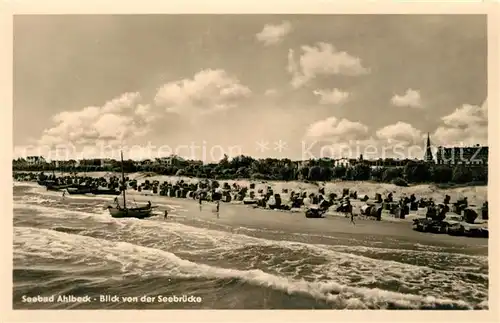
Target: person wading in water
{"x": 199, "y": 201}
{"x": 166, "y": 214}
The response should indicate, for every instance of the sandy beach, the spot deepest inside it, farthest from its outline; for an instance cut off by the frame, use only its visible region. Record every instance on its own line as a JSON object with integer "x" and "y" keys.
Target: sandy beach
{"x": 475, "y": 194}
{"x": 236, "y": 214}
{"x": 332, "y": 225}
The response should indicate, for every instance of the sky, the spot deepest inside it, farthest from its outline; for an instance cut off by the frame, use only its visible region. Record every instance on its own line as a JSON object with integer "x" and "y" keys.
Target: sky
{"x": 281, "y": 86}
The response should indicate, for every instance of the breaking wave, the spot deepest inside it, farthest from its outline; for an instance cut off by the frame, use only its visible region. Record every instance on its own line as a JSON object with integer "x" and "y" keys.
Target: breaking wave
{"x": 128, "y": 259}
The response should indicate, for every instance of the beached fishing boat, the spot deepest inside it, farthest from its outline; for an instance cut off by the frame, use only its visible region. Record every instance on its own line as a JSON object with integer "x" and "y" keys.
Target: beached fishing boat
{"x": 105, "y": 191}
{"x": 53, "y": 184}
{"x": 45, "y": 182}
{"x": 57, "y": 187}
{"x": 75, "y": 190}
{"x": 119, "y": 211}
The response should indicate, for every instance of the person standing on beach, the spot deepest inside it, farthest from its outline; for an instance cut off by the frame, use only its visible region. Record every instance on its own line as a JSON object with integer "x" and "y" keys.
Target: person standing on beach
{"x": 166, "y": 214}
{"x": 349, "y": 207}
{"x": 199, "y": 201}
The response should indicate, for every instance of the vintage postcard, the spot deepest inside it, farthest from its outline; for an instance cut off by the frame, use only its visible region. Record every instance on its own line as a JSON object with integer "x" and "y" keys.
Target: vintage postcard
{"x": 315, "y": 160}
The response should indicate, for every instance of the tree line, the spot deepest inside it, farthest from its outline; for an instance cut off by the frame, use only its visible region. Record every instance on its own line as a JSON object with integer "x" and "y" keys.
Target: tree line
{"x": 246, "y": 167}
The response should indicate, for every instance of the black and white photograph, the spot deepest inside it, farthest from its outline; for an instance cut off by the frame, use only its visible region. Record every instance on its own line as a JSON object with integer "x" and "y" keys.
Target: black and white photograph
{"x": 264, "y": 161}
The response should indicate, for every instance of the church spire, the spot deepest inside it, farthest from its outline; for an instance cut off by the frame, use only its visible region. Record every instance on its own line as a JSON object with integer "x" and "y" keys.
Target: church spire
{"x": 428, "y": 152}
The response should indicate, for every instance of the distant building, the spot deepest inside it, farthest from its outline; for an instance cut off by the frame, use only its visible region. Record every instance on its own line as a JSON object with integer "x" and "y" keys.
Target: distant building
{"x": 107, "y": 162}
{"x": 342, "y": 162}
{"x": 175, "y": 161}
{"x": 477, "y": 155}
{"x": 32, "y": 160}
{"x": 66, "y": 163}
{"x": 302, "y": 163}
{"x": 145, "y": 163}
{"x": 428, "y": 158}
{"x": 386, "y": 162}
{"x": 167, "y": 161}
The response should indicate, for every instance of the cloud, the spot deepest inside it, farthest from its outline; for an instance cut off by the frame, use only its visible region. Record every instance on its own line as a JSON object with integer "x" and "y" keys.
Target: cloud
{"x": 410, "y": 99}
{"x": 467, "y": 125}
{"x": 466, "y": 115}
{"x": 322, "y": 59}
{"x": 117, "y": 120}
{"x": 270, "y": 92}
{"x": 344, "y": 138}
{"x": 400, "y": 133}
{"x": 292, "y": 66}
{"x": 124, "y": 101}
{"x": 207, "y": 92}
{"x": 484, "y": 106}
{"x": 334, "y": 138}
{"x": 274, "y": 34}
{"x": 334, "y": 96}
{"x": 336, "y": 130}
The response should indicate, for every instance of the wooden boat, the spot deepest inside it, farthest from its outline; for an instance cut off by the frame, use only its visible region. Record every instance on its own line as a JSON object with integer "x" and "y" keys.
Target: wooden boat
{"x": 53, "y": 185}
{"x": 79, "y": 190}
{"x": 124, "y": 212}
{"x": 45, "y": 182}
{"x": 57, "y": 187}
{"x": 104, "y": 191}
{"x": 119, "y": 211}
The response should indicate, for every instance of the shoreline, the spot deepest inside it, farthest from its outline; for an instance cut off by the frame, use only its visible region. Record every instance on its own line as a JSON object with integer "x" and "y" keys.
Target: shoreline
{"x": 322, "y": 230}
{"x": 330, "y": 225}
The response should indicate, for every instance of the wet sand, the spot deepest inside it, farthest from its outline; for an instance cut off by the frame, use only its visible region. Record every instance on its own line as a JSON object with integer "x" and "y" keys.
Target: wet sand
{"x": 232, "y": 216}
